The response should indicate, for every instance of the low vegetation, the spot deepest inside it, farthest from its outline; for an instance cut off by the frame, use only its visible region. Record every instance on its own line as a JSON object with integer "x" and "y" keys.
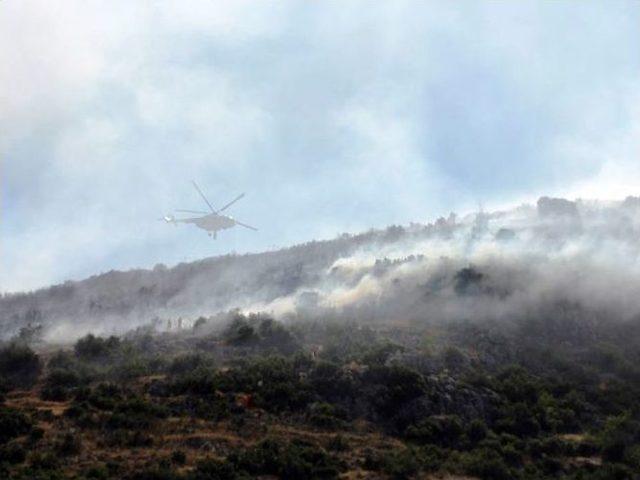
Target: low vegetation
{"x": 258, "y": 398}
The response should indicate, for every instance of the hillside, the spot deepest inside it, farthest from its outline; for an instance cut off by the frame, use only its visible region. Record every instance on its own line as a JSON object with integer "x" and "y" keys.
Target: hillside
{"x": 497, "y": 265}
{"x": 500, "y": 346}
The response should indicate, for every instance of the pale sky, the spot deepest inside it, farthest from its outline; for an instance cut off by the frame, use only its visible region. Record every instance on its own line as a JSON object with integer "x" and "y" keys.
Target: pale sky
{"x": 331, "y": 116}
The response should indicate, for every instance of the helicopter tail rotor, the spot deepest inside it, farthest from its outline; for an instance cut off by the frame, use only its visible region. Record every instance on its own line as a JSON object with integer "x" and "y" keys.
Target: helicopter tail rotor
{"x": 168, "y": 219}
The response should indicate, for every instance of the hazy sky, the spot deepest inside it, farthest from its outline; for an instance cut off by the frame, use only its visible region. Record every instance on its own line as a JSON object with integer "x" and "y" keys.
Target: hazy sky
{"x": 331, "y": 116}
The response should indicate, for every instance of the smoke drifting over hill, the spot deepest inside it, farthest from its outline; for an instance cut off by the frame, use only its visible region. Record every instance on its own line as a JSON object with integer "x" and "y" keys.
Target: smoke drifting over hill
{"x": 575, "y": 260}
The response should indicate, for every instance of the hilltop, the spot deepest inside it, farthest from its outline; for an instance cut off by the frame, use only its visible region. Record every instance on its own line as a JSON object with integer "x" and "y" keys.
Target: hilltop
{"x": 489, "y": 265}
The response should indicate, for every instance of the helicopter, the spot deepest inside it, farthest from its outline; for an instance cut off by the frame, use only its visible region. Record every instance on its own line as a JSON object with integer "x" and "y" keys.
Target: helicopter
{"x": 212, "y": 221}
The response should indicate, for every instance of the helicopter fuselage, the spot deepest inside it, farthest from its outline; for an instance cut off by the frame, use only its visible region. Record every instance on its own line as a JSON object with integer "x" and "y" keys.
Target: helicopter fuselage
{"x": 212, "y": 222}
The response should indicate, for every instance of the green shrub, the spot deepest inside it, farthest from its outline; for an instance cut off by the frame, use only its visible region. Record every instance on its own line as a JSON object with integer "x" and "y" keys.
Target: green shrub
{"x": 390, "y": 387}
{"x": 477, "y": 430}
{"x": 212, "y": 469}
{"x": 401, "y": 464}
{"x": 178, "y": 457}
{"x": 59, "y": 384}
{"x": 184, "y": 364}
{"x": 338, "y": 443}
{"x": 97, "y": 472}
{"x": 12, "y": 453}
{"x": 209, "y": 407}
{"x": 135, "y": 413}
{"x": 453, "y": 358}
{"x": 104, "y": 396}
{"x": 91, "y": 347}
{"x": 199, "y": 324}
{"x": 289, "y": 461}
{"x": 330, "y": 382}
{"x": 35, "y": 435}
{"x": 240, "y": 333}
{"x": 443, "y": 430}
{"x": 432, "y": 457}
{"x": 19, "y": 365}
{"x": 45, "y": 460}
{"x": 69, "y": 444}
{"x": 618, "y": 435}
{"x": 487, "y": 464}
{"x": 163, "y": 473}
{"x": 201, "y": 381}
{"x": 12, "y": 424}
{"x": 327, "y": 416}
{"x": 274, "y": 335}
{"x": 122, "y": 438}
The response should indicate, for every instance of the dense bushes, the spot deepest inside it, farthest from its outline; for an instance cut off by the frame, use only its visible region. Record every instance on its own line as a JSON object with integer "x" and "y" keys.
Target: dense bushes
{"x": 59, "y": 384}
{"x": 188, "y": 363}
{"x": 293, "y": 460}
{"x": 260, "y": 331}
{"x": 458, "y": 408}
{"x": 444, "y": 430}
{"x": 390, "y": 387}
{"x": 134, "y": 414}
{"x": 620, "y": 440}
{"x": 91, "y": 347}
{"x": 19, "y": 365}
{"x": 12, "y": 424}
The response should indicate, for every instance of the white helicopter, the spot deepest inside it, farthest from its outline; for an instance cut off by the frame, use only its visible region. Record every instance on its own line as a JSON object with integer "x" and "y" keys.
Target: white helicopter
{"x": 211, "y": 222}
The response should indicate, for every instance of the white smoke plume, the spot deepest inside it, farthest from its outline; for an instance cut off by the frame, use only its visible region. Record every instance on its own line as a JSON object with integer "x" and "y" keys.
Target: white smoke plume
{"x": 557, "y": 258}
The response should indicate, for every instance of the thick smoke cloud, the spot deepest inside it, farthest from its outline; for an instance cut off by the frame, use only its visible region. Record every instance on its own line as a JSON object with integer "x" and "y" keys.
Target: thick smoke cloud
{"x": 558, "y": 259}
{"x": 331, "y": 117}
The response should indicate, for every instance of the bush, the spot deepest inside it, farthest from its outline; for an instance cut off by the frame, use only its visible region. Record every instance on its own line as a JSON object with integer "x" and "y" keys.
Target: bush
{"x": 19, "y": 365}
{"x": 330, "y": 382}
{"x": 199, "y": 324}
{"x": 12, "y": 453}
{"x": 486, "y": 464}
{"x": 59, "y": 383}
{"x": 68, "y": 445}
{"x": 201, "y": 381}
{"x": 401, "y": 464}
{"x": 274, "y": 335}
{"x": 178, "y": 457}
{"x": 105, "y": 396}
{"x": 128, "y": 439}
{"x": 274, "y": 382}
{"x": 4, "y": 389}
{"x": 443, "y": 430}
{"x": 288, "y": 461}
{"x": 258, "y": 330}
{"x": 325, "y": 415}
{"x": 618, "y": 435}
{"x": 91, "y": 347}
{"x": 390, "y": 387}
{"x": 212, "y": 469}
{"x": 12, "y": 424}
{"x": 160, "y": 472}
{"x": 35, "y": 435}
{"x": 97, "y": 472}
{"x": 45, "y": 461}
{"x": 188, "y": 363}
{"x": 453, "y": 358}
{"x": 133, "y": 414}
{"x": 209, "y": 407}
{"x": 338, "y": 443}
{"x": 240, "y": 333}
{"x": 519, "y": 419}
{"x": 477, "y": 431}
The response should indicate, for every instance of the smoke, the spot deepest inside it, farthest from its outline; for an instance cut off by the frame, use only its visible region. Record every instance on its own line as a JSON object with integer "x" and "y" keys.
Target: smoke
{"x": 369, "y": 114}
{"x": 558, "y": 259}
